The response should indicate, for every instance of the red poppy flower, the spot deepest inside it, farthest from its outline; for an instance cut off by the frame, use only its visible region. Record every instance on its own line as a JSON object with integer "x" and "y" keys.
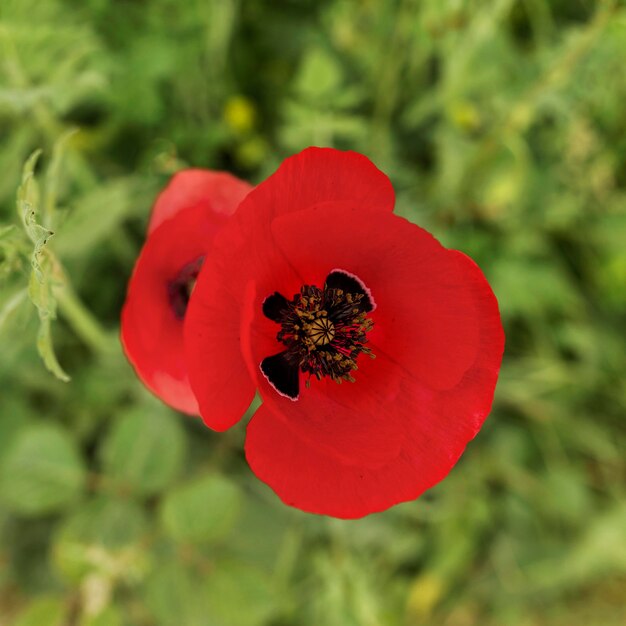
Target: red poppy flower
{"x": 312, "y": 278}
{"x": 186, "y": 216}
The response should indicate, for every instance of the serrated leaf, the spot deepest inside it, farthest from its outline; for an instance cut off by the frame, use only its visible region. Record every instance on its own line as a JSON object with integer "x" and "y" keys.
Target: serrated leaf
{"x": 27, "y": 204}
{"x": 41, "y": 279}
{"x": 42, "y": 472}
{"x": 46, "y": 351}
{"x": 204, "y": 510}
{"x": 144, "y": 452}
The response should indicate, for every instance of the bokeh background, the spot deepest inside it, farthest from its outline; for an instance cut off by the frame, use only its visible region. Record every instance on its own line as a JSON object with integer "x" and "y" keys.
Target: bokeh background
{"x": 502, "y": 124}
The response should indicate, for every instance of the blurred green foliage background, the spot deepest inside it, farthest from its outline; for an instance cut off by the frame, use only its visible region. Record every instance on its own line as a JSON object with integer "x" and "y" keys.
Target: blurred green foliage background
{"x": 502, "y": 124}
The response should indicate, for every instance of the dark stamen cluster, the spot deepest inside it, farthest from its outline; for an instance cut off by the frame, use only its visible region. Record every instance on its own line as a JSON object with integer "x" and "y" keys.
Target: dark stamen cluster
{"x": 325, "y": 331}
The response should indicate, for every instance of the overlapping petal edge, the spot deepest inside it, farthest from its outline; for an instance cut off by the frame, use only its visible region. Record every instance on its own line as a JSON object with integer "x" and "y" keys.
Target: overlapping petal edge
{"x": 352, "y": 449}
{"x": 186, "y": 216}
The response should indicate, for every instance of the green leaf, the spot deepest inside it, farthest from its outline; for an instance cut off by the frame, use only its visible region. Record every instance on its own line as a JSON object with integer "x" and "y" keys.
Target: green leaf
{"x": 201, "y": 511}
{"x": 175, "y": 597}
{"x": 46, "y": 351}
{"x": 239, "y": 595}
{"x": 144, "y": 451}
{"x": 41, "y": 280}
{"x": 42, "y": 472}
{"x": 28, "y": 207}
{"x": 319, "y": 75}
{"x": 48, "y": 611}
{"x": 260, "y": 532}
{"x": 102, "y": 538}
{"x": 97, "y": 214}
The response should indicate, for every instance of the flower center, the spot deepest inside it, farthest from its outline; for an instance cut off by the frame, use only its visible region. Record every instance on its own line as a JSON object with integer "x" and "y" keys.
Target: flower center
{"x": 179, "y": 290}
{"x": 323, "y": 331}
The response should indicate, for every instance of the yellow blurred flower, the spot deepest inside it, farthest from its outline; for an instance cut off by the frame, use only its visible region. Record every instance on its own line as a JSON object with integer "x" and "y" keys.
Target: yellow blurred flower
{"x": 465, "y": 115}
{"x": 240, "y": 114}
{"x": 424, "y": 595}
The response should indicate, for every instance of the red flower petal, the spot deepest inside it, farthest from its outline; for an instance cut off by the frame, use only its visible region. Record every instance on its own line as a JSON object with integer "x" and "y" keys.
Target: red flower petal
{"x": 338, "y": 419}
{"x": 245, "y": 249}
{"x": 473, "y": 395}
{"x": 191, "y": 210}
{"x": 318, "y": 175}
{"x": 364, "y": 423}
{"x": 217, "y": 372}
{"x": 218, "y": 192}
{"x": 307, "y": 477}
{"x": 425, "y": 319}
{"x": 151, "y": 333}
{"x": 218, "y": 313}
{"x": 350, "y": 449}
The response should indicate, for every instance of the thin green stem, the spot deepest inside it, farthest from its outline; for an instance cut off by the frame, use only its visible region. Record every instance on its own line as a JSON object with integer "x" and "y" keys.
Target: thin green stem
{"x": 82, "y": 321}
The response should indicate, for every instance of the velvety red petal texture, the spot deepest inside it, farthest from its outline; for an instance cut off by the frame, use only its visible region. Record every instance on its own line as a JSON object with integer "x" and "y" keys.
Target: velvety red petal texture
{"x": 441, "y": 425}
{"x": 152, "y": 335}
{"x": 318, "y": 175}
{"x": 425, "y": 319}
{"x": 245, "y": 251}
{"x": 351, "y": 449}
{"x": 361, "y": 424}
{"x": 218, "y": 192}
{"x": 194, "y": 206}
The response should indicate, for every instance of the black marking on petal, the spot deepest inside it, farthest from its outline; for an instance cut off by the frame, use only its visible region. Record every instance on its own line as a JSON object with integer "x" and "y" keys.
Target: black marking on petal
{"x": 323, "y": 330}
{"x": 282, "y": 375}
{"x": 349, "y": 283}
{"x": 274, "y": 306}
{"x": 179, "y": 290}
